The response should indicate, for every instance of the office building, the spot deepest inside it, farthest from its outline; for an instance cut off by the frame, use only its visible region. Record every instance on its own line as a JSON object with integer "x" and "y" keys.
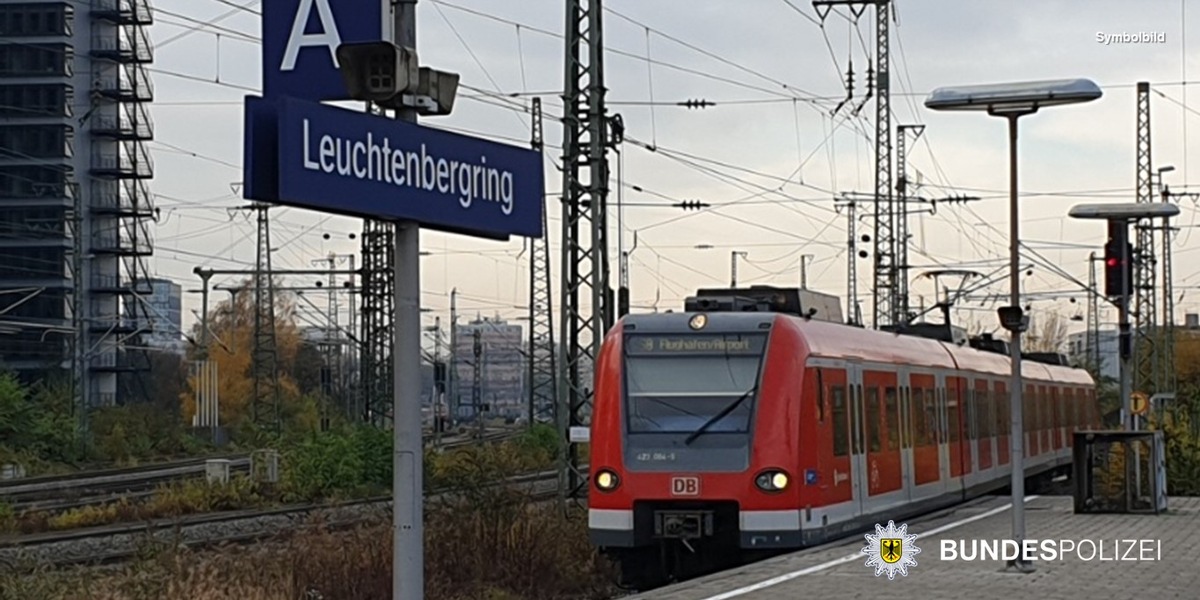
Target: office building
{"x": 161, "y": 317}
{"x": 1108, "y": 351}
{"x": 74, "y": 173}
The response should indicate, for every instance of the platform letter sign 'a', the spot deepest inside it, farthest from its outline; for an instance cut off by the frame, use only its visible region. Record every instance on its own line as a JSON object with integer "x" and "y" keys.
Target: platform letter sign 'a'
{"x": 300, "y": 40}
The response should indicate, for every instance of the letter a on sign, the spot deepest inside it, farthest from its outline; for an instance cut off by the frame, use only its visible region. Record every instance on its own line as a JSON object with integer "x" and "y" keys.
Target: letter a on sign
{"x": 328, "y": 37}
{"x": 300, "y": 40}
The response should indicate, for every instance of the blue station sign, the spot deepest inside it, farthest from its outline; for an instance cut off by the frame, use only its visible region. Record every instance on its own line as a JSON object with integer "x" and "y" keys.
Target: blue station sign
{"x": 309, "y": 155}
{"x": 300, "y": 40}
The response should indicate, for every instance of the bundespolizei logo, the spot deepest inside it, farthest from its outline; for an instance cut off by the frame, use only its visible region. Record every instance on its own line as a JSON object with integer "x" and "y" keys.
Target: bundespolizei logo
{"x": 891, "y": 550}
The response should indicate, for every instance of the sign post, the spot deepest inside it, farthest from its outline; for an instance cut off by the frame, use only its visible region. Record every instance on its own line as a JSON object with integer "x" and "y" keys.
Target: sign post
{"x": 301, "y": 153}
{"x": 408, "y": 549}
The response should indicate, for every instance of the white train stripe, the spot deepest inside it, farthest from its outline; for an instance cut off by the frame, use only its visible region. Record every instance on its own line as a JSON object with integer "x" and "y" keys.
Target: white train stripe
{"x": 769, "y": 520}
{"x": 618, "y": 520}
{"x": 851, "y": 557}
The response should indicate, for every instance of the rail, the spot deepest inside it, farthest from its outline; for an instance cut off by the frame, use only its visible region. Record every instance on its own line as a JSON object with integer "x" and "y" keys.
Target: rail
{"x": 50, "y": 545}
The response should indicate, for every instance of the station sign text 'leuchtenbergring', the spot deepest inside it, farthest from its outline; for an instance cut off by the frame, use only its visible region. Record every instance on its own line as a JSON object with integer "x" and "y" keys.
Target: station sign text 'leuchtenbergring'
{"x": 301, "y": 153}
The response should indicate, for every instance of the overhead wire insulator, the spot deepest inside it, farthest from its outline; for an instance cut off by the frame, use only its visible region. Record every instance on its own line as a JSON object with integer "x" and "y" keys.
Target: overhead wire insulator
{"x": 691, "y": 205}
{"x": 697, "y": 104}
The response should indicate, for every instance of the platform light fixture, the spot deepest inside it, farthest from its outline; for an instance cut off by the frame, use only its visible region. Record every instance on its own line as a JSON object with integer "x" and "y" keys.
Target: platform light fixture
{"x": 1013, "y": 101}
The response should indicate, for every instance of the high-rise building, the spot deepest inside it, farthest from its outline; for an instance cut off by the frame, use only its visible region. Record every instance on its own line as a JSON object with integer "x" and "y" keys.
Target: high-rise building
{"x": 501, "y": 363}
{"x": 75, "y": 206}
{"x": 162, "y": 317}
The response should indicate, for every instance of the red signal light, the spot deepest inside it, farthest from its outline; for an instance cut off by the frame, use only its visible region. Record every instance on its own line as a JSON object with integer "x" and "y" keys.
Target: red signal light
{"x": 1112, "y": 262}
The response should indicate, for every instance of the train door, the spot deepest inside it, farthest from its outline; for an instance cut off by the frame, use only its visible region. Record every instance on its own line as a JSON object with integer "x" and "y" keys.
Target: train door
{"x": 943, "y": 430}
{"x": 924, "y": 435}
{"x": 840, "y": 398}
{"x": 1032, "y": 421}
{"x": 1056, "y": 418}
{"x": 1003, "y": 422}
{"x": 1044, "y": 421}
{"x": 904, "y": 393}
{"x": 958, "y": 428}
{"x": 858, "y": 459}
{"x": 881, "y": 433}
{"x": 985, "y": 410}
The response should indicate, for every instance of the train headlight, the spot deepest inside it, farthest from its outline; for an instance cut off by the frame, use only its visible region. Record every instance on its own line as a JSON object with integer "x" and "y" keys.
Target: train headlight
{"x": 772, "y": 481}
{"x": 607, "y": 481}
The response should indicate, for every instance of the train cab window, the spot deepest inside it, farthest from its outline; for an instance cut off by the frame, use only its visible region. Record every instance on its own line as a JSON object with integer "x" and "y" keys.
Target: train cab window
{"x": 841, "y": 424}
{"x": 892, "y": 414}
{"x": 874, "y": 425}
{"x": 677, "y": 384}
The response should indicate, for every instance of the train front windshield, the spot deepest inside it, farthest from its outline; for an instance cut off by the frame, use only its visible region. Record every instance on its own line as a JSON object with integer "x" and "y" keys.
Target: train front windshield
{"x": 682, "y": 383}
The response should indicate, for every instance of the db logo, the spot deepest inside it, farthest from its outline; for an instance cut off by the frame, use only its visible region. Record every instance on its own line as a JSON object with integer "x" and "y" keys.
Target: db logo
{"x": 685, "y": 486}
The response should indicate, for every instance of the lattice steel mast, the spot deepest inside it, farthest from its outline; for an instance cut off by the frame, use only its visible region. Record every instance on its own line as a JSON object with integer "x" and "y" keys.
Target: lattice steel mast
{"x": 886, "y": 289}
{"x": 1168, "y": 379}
{"x": 584, "y": 223}
{"x": 1093, "y": 316}
{"x": 543, "y": 387}
{"x": 378, "y": 286}
{"x": 902, "y": 266}
{"x": 853, "y": 316}
{"x": 1146, "y": 339}
{"x": 264, "y": 358}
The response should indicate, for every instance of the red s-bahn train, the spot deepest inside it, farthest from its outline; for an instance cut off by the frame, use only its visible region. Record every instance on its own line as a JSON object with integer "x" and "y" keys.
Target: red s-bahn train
{"x": 738, "y": 431}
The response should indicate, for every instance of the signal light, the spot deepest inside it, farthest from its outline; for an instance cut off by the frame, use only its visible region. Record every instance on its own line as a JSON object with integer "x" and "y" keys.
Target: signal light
{"x": 1118, "y": 260}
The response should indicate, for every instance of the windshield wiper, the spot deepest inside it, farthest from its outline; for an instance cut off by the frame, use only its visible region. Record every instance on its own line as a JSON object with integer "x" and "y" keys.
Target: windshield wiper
{"x": 717, "y": 417}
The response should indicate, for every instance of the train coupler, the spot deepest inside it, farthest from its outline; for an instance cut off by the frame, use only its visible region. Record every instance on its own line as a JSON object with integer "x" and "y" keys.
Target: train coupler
{"x": 683, "y": 525}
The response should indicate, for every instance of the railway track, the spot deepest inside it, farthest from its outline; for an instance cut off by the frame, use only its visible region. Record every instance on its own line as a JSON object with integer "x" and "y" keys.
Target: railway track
{"x": 114, "y": 543}
{"x": 62, "y": 492}
{"x": 56, "y": 493}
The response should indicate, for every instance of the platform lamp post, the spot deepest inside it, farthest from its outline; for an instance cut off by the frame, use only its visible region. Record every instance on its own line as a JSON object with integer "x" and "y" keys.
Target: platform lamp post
{"x": 1119, "y": 216}
{"x": 1013, "y": 101}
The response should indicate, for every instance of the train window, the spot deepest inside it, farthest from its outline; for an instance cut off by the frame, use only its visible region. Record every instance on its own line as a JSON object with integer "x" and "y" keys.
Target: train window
{"x": 1058, "y": 409}
{"x": 1047, "y": 408}
{"x": 933, "y": 423}
{"x": 1026, "y": 411}
{"x": 841, "y": 425}
{"x": 983, "y": 414}
{"x": 952, "y": 419}
{"x": 916, "y": 412}
{"x": 1003, "y": 407}
{"x": 874, "y": 429}
{"x": 1042, "y": 406}
{"x": 892, "y": 414}
{"x": 1077, "y": 408}
{"x": 989, "y": 402}
{"x": 972, "y": 414}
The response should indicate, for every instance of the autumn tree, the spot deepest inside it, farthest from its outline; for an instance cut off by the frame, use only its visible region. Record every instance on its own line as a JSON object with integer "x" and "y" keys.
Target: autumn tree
{"x": 231, "y": 347}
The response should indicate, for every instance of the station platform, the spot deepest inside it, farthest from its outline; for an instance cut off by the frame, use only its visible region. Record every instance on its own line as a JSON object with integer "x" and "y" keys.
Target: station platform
{"x": 1166, "y": 566}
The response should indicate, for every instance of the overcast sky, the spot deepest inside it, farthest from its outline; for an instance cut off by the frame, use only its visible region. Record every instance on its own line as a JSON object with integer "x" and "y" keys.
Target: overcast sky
{"x": 769, "y": 144}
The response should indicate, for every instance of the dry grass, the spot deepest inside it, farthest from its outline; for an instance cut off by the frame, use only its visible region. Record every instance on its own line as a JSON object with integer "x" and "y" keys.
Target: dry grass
{"x": 168, "y": 502}
{"x": 503, "y": 549}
